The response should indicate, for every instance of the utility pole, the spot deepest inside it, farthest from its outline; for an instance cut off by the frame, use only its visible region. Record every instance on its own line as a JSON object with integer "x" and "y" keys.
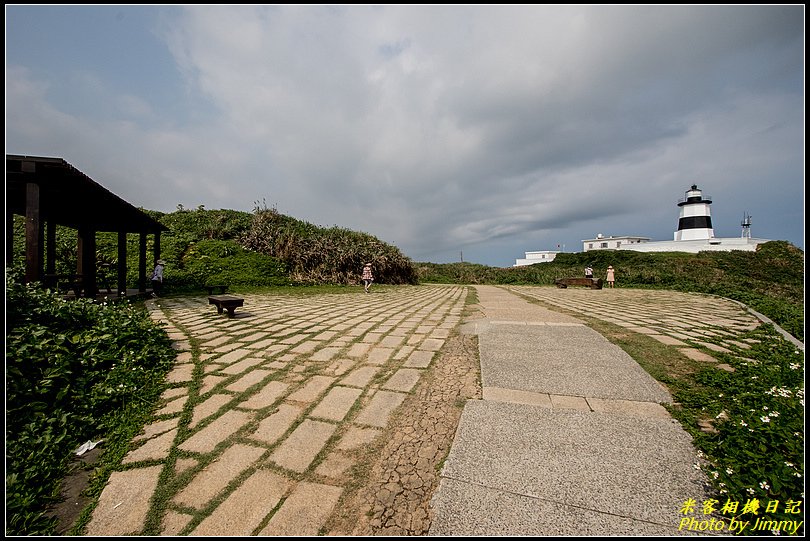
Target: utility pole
{"x": 461, "y": 253}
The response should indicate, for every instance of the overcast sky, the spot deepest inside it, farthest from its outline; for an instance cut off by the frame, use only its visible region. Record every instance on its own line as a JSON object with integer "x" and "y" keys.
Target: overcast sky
{"x": 477, "y": 132}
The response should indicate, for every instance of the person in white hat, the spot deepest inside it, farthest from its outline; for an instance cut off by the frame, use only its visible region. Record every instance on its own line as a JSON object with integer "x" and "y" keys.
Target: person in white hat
{"x": 157, "y": 277}
{"x": 611, "y": 276}
{"x": 367, "y": 276}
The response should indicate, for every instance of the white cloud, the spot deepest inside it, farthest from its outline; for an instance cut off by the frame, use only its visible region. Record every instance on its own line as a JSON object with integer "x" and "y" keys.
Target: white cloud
{"x": 438, "y": 127}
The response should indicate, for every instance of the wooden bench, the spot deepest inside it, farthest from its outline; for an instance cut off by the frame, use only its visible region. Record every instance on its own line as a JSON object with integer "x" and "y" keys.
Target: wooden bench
{"x": 226, "y": 302}
{"x": 593, "y": 283}
{"x": 65, "y": 283}
{"x": 221, "y": 288}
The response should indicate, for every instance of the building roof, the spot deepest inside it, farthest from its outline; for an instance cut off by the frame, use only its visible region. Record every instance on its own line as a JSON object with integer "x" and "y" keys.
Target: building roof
{"x": 69, "y": 197}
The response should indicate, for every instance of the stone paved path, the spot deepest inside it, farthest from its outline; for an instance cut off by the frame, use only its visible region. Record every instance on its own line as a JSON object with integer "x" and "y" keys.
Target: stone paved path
{"x": 275, "y": 416}
{"x": 268, "y": 412}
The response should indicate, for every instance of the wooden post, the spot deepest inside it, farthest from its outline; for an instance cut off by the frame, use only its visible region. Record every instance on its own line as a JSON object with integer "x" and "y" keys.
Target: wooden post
{"x": 33, "y": 234}
{"x": 122, "y": 263}
{"x": 86, "y": 262}
{"x": 142, "y": 262}
{"x": 50, "y": 247}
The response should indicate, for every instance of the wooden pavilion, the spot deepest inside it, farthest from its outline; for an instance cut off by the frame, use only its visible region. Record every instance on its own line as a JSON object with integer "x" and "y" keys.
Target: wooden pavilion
{"x": 50, "y": 192}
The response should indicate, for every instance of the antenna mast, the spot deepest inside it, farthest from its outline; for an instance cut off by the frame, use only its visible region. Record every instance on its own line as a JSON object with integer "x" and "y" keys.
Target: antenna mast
{"x": 746, "y": 226}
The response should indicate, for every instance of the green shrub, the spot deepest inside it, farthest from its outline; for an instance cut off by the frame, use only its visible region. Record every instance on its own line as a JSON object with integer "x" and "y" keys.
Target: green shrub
{"x": 74, "y": 371}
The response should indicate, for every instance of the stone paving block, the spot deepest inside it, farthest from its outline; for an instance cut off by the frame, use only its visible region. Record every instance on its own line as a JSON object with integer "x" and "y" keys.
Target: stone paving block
{"x": 209, "y": 382}
{"x": 307, "y": 346}
{"x": 419, "y": 359}
{"x": 243, "y": 365}
{"x": 220, "y": 429}
{"x": 305, "y": 511}
{"x": 183, "y": 465}
{"x": 628, "y": 407}
{"x": 358, "y": 350}
{"x": 248, "y": 380}
{"x": 174, "y": 522}
{"x": 271, "y": 428}
{"x": 325, "y": 354}
{"x": 234, "y": 355}
{"x": 391, "y": 341}
{"x": 360, "y": 377}
{"x": 267, "y": 396}
{"x": 403, "y": 380}
{"x": 181, "y": 373}
{"x": 498, "y": 394}
{"x": 301, "y": 447}
{"x": 156, "y": 448}
{"x": 227, "y": 348}
{"x": 432, "y": 344}
{"x": 242, "y": 512}
{"x": 312, "y": 389}
{"x": 208, "y": 407}
{"x": 173, "y": 406}
{"x": 337, "y": 403}
{"x": 340, "y": 367}
{"x": 357, "y": 437}
{"x": 379, "y": 355}
{"x": 697, "y": 355}
{"x": 124, "y": 502}
{"x": 380, "y": 408}
{"x": 371, "y": 338}
{"x": 335, "y": 466}
{"x": 261, "y": 344}
{"x": 156, "y": 428}
{"x": 212, "y": 479}
{"x": 569, "y": 402}
{"x": 667, "y": 340}
{"x": 713, "y": 347}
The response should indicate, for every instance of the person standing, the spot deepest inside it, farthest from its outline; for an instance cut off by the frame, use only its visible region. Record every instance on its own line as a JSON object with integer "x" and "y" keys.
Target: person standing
{"x": 589, "y": 272}
{"x": 157, "y": 277}
{"x": 367, "y": 276}
{"x": 611, "y": 276}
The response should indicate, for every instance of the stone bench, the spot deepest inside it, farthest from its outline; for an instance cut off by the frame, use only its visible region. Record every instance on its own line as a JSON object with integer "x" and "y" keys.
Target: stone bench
{"x": 226, "y": 302}
{"x": 593, "y": 283}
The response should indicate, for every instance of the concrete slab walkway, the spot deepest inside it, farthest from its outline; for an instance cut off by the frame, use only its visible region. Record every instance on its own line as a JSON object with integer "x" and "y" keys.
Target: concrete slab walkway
{"x": 570, "y": 438}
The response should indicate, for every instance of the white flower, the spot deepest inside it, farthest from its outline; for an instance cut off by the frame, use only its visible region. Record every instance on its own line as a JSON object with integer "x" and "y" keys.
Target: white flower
{"x": 794, "y": 366}
{"x": 764, "y": 486}
{"x": 765, "y": 419}
{"x": 774, "y": 414}
{"x": 696, "y": 466}
{"x": 729, "y": 471}
{"x": 789, "y": 464}
{"x": 715, "y": 474}
{"x": 750, "y": 490}
{"x": 765, "y": 408}
{"x": 743, "y": 423}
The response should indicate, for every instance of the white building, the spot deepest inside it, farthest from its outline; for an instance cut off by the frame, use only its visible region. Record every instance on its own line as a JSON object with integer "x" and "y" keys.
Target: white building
{"x": 541, "y": 256}
{"x": 695, "y": 232}
{"x": 602, "y": 242}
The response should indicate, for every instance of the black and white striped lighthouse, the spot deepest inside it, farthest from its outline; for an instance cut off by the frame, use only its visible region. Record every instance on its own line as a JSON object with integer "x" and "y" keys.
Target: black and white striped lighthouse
{"x": 695, "y": 221}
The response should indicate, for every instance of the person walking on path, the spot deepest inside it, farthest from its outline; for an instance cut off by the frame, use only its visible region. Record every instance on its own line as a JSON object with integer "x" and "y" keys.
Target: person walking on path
{"x": 367, "y": 276}
{"x": 157, "y": 277}
{"x": 611, "y": 276}
{"x": 589, "y": 272}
